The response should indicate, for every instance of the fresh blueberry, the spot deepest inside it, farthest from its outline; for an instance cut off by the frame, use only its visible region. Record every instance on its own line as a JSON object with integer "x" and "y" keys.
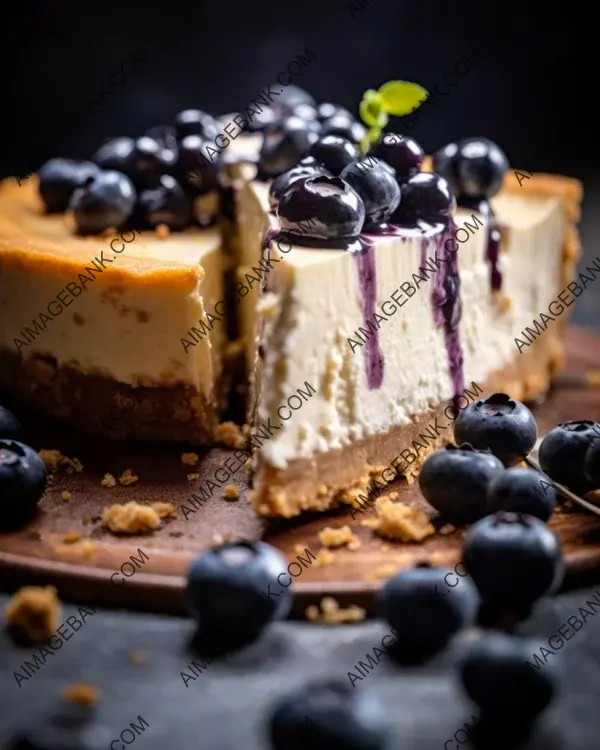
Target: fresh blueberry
{"x": 284, "y": 145}
{"x": 321, "y": 209}
{"x": 513, "y": 560}
{"x": 58, "y": 180}
{"x": 196, "y": 122}
{"x": 591, "y": 466}
{"x": 305, "y": 112}
{"x": 116, "y": 154}
{"x": 166, "y": 135}
{"x": 10, "y": 427}
{"x": 22, "y": 483}
{"x": 237, "y": 583}
{"x": 498, "y": 674}
{"x": 167, "y": 204}
{"x": 521, "y": 491}
{"x": 280, "y": 184}
{"x": 563, "y": 450}
{"x": 347, "y": 127}
{"x": 328, "y": 715}
{"x": 402, "y": 153}
{"x": 424, "y": 197}
{"x": 150, "y": 160}
{"x": 475, "y": 167}
{"x": 455, "y": 482}
{"x": 423, "y": 610}
{"x": 334, "y": 152}
{"x": 378, "y": 188}
{"x": 291, "y": 96}
{"x": 197, "y": 169}
{"x": 500, "y": 424}
{"x": 106, "y": 201}
{"x": 327, "y": 110}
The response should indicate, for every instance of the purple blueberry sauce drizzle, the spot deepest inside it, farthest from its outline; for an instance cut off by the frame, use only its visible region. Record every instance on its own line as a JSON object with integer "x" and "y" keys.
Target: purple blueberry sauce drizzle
{"x": 492, "y": 252}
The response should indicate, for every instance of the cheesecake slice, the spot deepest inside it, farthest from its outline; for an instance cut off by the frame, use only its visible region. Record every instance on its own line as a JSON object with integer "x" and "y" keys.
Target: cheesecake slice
{"x": 352, "y": 359}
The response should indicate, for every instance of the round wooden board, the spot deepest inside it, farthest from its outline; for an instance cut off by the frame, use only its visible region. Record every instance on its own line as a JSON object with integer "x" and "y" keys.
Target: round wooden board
{"x": 82, "y": 571}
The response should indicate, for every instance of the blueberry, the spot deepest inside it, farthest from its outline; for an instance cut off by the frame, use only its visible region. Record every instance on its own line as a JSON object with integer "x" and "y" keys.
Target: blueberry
{"x": 321, "y": 208}
{"x": 423, "y": 610}
{"x": 475, "y": 167}
{"x": 149, "y": 161}
{"x": 166, "y": 135}
{"x": 280, "y": 184}
{"x": 328, "y": 715}
{"x": 347, "y": 127}
{"x": 334, "y": 152}
{"x": 167, "y": 204}
{"x": 591, "y": 464}
{"x": 305, "y": 112}
{"x": 291, "y": 96}
{"x": 10, "y": 427}
{"x": 106, "y": 201}
{"x": 261, "y": 121}
{"x": 116, "y": 154}
{"x": 402, "y": 153}
{"x": 514, "y": 560}
{"x": 22, "y": 483}
{"x": 424, "y": 197}
{"x": 499, "y": 423}
{"x": 197, "y": 169}
{"x": 499, "y": 676}
{"x": 196, "y": 122}
{"x": 455, "y": 482}
{"x": 377, "y": 187}
{"x": 563, "y": 450}
{"x": 327, "y": 110}
{"x": 58, "y": 180}
{"x": 233, "y": 592}
{"x": 521, "y": 491}
{"x": 284, "y": 145}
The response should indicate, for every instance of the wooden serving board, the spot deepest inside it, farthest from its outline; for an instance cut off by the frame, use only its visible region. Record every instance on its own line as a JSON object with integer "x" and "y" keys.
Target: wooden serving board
{"x": 82, "y": 571}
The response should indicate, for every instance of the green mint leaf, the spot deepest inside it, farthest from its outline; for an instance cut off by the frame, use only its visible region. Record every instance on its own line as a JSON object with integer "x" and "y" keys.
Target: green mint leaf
{"x": 401, "y": 97}
{"x": 370, "y": 108}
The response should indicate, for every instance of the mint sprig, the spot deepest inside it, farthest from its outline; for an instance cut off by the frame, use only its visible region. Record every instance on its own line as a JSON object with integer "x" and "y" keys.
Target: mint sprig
{"x": 392, "y": 98}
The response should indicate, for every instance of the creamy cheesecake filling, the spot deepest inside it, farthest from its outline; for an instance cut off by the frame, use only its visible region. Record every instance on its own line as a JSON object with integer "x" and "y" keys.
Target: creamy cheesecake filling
{"x": 313, "y": 308}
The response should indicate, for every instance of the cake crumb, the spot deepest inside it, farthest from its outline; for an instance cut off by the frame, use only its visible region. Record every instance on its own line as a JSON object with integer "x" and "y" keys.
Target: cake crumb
{"x": 189, "y": 459}
{"x": 65, "y": 496}
{"x": 32, "y": 614}
{"x": 137, "y": 657}
{"x": 399, "y": 521}
{"x": 130, "y": 518}
{"x": 231, "y": 492}
{"x": 81, "y": 694}
{"x": 71, "y": 537}
{"x": 162, "y": 231}
{"x": 394, "y": 495}
{"x": 229, "y": 434}
{"x": 332, "y": 614}
{"x": 324, "y": 557}
{"x": 87, "y": 547}
{"x": 331, "y": 537}
{"x": 128, "y": 478}
{"x": 108, "y": 481}
{"x": 54, "y": 461}
{"x": 593, "y": 378}
{"x": 192, "y": 477}
{"x": 219, "y": 539}
{"x": 447, "y": 528}
{"x": 385, "y": 571}
{"x": 164, "y": 510}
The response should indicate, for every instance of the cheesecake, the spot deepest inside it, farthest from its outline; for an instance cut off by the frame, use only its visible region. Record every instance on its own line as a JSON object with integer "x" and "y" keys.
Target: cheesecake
{"x": 354, "y": 295}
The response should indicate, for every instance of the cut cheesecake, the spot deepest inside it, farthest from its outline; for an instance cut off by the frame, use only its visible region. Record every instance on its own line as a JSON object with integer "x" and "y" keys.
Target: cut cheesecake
{"x": 91, "y": 327}
{"x": 378, "y": 388}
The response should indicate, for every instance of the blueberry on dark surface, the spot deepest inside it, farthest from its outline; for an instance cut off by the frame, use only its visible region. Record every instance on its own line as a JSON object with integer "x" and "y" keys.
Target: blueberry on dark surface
{"x": 347, "y": 127}
{"x": 522, "y": 491}
{"x": 116, "y": 154}
{"x": 305, "y": 112}
{"x": 513, "y": 560}
{"x": 59, "y": 178}
{"x": 10, "y": 427}
{"x": 321, "y": 208}
{"x": 334, "y": 152}
{"x": 22, "y": 483}
{"x": 284, "y": 145}
{"x": 500, "y": 424}
{"x": 258, "y": 122}
{"x": 197, "y": 169}
{"x": 233, "y": 592}
{"x": 327, "y": 110}
{"x": 281, "y": 183}
{"x": 402, "y": 153}
{"x": 455, "y": 482}
{"x": 377, "y": 187}
{"x": 424, "y": 197}
{"x": 475, "y": 167}
{"x": 424, "y": 612}
{"x": 196, "y": 122}
{"x": 591, "y": 465}
{"x": 563, "y": 450}
{"x": 496, "y": 672}
{"x": 166, "y": 135}
{"x": 149, "y": 161}
{"x": 106, "y": 201}
{"x": 328, "y": 715}
{"x": 290, "y": 97}
{"x": 166, "y": 204}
